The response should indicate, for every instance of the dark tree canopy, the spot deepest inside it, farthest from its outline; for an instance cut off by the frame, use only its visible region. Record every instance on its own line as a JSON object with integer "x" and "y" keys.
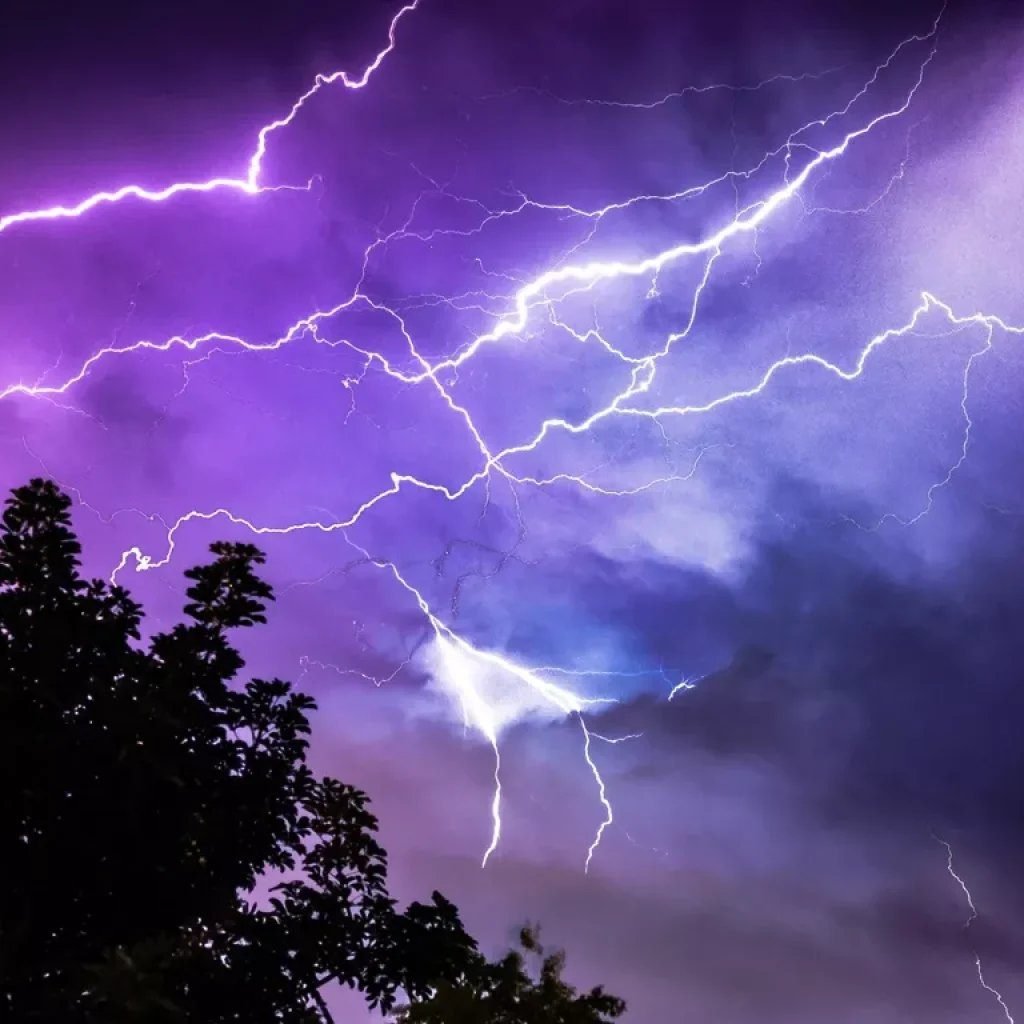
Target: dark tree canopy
{"x": 146, "y": 793}
{"x": 507, "y": 992}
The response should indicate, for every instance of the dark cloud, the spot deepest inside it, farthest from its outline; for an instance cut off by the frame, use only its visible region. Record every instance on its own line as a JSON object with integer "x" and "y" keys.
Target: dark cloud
{"x": 886, "y": 697}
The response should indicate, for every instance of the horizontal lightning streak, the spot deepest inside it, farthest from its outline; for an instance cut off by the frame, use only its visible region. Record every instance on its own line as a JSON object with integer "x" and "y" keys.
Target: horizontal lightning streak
{"x": 689, "y": 90}
{"x": 249, "y": 185}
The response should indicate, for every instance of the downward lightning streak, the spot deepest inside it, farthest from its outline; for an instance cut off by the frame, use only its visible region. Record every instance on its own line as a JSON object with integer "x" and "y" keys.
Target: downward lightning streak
{"x": 609, "y": 817}
{"x": 967, "y": 924}
{"x": 250, "y": 184}
{"x": 453, "y": 648}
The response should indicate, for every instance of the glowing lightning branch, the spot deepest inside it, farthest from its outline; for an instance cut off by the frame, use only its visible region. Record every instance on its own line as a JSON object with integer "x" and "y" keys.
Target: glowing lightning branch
{"x": 689, "y": 90}
{"x": 560, "y": 281}
{"x": 682, "y": 686}
{"x": 967, "y": 924}
{"x": 746, "y": 222}
{"x": 456, "y": 652}
{"x": 609, "y": 817}
{"x": 250, "y": 184}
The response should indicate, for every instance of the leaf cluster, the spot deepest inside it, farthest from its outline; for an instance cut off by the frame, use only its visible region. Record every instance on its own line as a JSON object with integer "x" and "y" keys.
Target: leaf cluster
{"x": 149, "y": 797}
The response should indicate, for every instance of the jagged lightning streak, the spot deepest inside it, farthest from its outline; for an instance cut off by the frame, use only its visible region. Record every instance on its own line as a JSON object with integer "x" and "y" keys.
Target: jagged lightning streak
{"x": 454, "y": 651}
{"x": 526, "y": 298}
{"x": 688, "y": 90}
{"x": 967, "y": 924}
{"x": 456, "y": 654}
{"x": 747, "y": 221}
{"x": 250, "y": 184}
{"x": 536, "y": 292}
{"x": 609, "y": 814}
{"x": 541, "y": 292}
{"x": 683, "y": 686}
{"x": 616, "y": 407}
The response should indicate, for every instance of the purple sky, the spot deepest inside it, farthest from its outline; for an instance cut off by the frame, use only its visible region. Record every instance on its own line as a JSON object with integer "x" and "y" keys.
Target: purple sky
{"x": 784, "y": 467}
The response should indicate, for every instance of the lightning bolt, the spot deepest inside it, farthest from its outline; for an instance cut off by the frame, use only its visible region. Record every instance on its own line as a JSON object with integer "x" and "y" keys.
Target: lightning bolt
{"x": 684, "y": 685}
{"x": 457, "y": 654}
{"x": 526, "y": 306}
{"x": 685, "y": 91}
{"x": 972, "y": 917}
{"x": 250, "y": 184}
{"x": 455, "y": 650}
{"x": 537, "y": 291}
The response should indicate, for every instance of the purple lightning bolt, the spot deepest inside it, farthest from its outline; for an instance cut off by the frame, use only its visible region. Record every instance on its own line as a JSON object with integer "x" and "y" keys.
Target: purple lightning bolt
{"x": 250, "y": 184}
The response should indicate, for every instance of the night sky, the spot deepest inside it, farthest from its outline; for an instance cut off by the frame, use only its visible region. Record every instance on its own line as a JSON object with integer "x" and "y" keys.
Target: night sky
{"x": 632, "y": 389}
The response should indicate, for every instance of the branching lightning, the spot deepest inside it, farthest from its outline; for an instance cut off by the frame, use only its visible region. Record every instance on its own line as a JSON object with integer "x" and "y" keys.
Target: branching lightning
{"x": 461, "y": 658}
{"x": 516, "y": 308}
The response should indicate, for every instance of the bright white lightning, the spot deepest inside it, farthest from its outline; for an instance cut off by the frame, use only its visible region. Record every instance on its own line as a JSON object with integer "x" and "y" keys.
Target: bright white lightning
{"x": 682, "y": 686}
{"x": 460, "y": 664}
{"x": 602, "y": 793}
{"x": 457, "y": 654}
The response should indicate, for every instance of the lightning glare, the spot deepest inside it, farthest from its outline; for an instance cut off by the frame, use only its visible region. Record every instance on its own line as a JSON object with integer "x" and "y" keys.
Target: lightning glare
{"x": 682, "y": 686}
{"x": 461, "y": 662}
{"x": 521, "y": 308}
{"x": 972, "y": 917}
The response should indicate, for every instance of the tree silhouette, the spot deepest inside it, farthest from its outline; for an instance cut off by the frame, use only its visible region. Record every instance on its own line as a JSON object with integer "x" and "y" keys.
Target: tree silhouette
{"x": 146, "y": 793}
{"x": 507, "y": 993}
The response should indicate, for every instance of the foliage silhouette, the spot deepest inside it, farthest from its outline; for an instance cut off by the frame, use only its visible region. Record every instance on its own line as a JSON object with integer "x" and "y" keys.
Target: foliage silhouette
{"x": 506, "y": 993}
{"x": 145, "y": 797}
